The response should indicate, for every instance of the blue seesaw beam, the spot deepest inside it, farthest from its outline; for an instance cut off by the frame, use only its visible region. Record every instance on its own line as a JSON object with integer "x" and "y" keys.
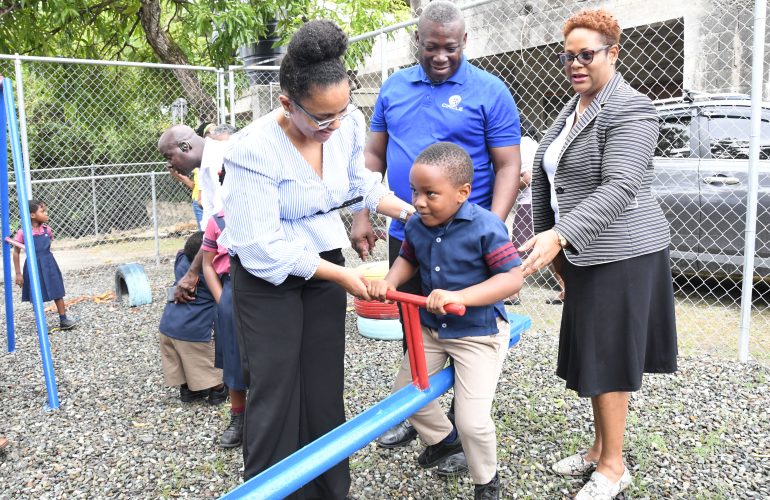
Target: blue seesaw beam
{"x": 306, "y": 464}
{"x": 6, "y": 230}
{"x": 26, "y": 224}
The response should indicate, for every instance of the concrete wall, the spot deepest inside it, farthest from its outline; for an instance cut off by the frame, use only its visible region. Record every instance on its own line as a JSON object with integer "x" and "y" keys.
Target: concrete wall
{"x": 712, "y": 52}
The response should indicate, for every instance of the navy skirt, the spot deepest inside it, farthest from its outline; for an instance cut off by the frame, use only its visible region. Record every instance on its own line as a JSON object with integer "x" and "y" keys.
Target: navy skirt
{"x": 51, "y": 281}
{"x": 228, "y": 356}
{"x": 618, "y": 323}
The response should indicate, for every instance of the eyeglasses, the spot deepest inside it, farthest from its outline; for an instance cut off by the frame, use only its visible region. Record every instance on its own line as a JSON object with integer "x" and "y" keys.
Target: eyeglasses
{"x": 585, "y": 57}
{"x": 324, "y": 124}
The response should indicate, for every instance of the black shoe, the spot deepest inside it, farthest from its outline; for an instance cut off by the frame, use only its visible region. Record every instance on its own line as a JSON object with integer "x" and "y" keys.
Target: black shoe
{"x": 67, "y": 324}
{"x": 188, "y": 396}
{"x": 218, "y": 396}
{"x": 434, "y": 454}
{"x": 489, "y": 491}
{"x": 233, "y": 435}
{"x": 453, "y": 465}
{"x": 398, "y": 435}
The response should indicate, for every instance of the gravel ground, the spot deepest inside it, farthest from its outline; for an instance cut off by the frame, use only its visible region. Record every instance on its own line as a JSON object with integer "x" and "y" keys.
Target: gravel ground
{"x": 703, "y": 433}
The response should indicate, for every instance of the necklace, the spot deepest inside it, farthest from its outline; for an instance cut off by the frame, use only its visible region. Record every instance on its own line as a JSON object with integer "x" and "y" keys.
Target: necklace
{"x": 578, "y": 113}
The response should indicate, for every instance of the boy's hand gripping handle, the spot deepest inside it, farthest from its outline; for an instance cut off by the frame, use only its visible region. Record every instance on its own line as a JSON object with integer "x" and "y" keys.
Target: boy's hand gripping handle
{"x": 411, "y": 319}
{"x": 420, "y": 301}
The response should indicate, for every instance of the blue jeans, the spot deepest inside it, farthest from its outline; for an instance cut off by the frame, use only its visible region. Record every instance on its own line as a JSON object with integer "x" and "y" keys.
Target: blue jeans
{"x": 198, "y": 211}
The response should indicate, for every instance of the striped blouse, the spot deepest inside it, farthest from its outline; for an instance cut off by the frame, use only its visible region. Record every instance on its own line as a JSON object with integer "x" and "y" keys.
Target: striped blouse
{"x": 280, "y": 214}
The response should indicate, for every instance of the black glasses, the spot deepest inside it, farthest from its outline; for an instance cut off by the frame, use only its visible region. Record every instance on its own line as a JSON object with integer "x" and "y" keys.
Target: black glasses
{"x": 585, "y": 57}
{"x": 324, "y": 124}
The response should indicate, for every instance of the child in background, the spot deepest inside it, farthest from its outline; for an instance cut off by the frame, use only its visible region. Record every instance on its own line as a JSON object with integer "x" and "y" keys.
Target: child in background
{"x": 464, "y": 256}
{"x": 51, "y": 281}
{"x": 216, "y": 269}
{"x": 186, "y": 344}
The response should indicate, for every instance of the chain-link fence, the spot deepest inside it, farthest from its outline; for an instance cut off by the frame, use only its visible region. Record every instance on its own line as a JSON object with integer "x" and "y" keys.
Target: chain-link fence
{"x": 92, "y": 132}
{"x": 685, "y": 56}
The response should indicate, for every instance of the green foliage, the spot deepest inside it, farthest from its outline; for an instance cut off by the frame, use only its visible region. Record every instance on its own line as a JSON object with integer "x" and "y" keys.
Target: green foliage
{"x": 83, "y": 115}
{"x": 107, "y": 29}
{"x": 208, "y": 32}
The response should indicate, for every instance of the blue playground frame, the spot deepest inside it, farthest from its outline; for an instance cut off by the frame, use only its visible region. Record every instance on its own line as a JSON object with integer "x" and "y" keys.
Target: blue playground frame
{"x": 8, "y": 118}
{"x": 314, "y": 459}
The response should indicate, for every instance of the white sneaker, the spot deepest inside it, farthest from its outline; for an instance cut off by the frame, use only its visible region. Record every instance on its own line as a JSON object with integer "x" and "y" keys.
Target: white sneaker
{"x": 600, "y": 488}
{"x": 575, "y": 465}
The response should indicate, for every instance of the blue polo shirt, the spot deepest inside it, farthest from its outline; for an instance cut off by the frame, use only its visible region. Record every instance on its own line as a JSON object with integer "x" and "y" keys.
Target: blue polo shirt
{"x": 468, "y": 250}
{"x": 472, "y": 109}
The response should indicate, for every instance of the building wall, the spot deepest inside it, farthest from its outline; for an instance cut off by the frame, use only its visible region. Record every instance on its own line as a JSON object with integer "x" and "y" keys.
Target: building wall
{"x": 715, "y": 37}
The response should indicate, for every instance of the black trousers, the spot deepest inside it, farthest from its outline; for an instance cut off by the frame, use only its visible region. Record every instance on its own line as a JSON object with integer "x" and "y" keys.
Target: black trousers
{"x": 292, "y": 342}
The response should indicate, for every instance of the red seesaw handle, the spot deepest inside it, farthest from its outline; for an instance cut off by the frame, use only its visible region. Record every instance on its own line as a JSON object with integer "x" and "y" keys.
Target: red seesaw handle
{"x": 419, "y": 300}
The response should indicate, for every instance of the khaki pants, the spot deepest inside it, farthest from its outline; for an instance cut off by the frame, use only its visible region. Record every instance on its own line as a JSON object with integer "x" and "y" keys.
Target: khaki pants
{"x": 190, "y": 363}
{"x": 478, "y": 362}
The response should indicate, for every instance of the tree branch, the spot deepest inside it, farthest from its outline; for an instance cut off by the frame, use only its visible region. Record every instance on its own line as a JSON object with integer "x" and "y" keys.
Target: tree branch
{"x": 170, "y": 53}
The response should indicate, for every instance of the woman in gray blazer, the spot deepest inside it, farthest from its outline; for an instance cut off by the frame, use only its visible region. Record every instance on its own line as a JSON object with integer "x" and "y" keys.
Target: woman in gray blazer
{"x": 597, "y": 221}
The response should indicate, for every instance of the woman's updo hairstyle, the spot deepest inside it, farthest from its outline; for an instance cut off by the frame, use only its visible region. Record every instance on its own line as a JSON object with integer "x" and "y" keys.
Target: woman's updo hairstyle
{"x": 313, "y": 58}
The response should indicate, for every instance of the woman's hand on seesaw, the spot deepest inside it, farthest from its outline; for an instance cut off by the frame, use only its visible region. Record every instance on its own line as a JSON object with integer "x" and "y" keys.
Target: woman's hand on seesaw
{"x": 353, "y": 282}
{"x": 378, "y": 289}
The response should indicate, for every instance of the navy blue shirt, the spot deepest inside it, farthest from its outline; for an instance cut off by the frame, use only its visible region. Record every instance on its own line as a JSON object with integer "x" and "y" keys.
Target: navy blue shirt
{"x": 468, "y": 250}
{"x": 191, "y": 321}
{"x": 472, "y": 109}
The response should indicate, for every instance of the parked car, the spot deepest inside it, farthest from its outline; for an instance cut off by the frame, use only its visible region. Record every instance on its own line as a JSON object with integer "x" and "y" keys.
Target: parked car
{"x": 701, "y": 181}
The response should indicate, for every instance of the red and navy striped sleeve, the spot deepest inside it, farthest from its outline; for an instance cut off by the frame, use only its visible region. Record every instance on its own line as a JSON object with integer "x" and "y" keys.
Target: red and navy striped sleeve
{"x": 501, "y": 256}
{"x": 407, "y": 252}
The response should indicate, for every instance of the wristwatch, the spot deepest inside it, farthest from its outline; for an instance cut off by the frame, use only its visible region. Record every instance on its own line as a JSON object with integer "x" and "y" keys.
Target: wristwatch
{"x": 405, "y": 214}
{"x": 562, "y": 240}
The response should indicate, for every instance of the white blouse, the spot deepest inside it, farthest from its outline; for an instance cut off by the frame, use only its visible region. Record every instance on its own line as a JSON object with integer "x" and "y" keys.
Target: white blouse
{"x": 280, "y": 214}
{"x": 551, "y": 161}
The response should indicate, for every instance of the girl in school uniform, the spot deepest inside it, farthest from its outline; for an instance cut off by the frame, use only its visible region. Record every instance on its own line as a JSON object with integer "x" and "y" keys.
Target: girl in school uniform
{"x": 51, "y": 281}
{"x": 216, "y": 270}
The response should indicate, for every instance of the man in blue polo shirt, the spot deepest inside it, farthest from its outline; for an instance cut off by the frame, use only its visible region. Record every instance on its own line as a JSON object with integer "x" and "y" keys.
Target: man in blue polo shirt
{"x": 443, "y": 98}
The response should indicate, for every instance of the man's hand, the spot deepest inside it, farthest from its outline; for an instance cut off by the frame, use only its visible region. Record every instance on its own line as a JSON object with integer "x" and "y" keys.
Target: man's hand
{"x": 20, "y": 279}
{"x": 185, "y": 289}
{"x": 362, "y": 237}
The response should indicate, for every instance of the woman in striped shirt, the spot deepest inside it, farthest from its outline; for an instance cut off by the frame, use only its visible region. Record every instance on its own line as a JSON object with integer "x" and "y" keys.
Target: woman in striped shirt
{"x": 288, "y": 173}
{"x": 596, "y": 218}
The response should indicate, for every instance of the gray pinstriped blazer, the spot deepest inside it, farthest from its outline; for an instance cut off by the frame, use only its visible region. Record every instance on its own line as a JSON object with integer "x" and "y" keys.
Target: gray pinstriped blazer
{"x": 602, "y": 182}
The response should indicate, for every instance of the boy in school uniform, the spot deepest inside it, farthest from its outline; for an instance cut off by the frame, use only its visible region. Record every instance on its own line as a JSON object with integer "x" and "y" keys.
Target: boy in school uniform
{"x": 464, "y": 256}
{"x": 186, "y": 343}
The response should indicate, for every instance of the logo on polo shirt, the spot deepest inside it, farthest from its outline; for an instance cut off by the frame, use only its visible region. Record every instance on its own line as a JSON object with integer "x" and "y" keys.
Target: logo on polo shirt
{"x": 453, "y": 103}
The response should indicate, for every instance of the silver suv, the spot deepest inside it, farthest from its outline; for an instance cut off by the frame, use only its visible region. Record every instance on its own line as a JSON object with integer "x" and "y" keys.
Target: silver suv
{"x": 701, "y": 180}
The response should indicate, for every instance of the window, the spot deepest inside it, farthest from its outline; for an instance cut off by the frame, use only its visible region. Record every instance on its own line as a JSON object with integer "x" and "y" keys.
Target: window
{"x": 674, "y": 139}
{"x": 729, "y": 137}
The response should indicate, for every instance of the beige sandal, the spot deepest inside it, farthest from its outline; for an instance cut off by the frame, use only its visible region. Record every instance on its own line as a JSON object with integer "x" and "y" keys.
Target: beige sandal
{"x": 600, "y": 488}
{"x": 575, "y": 465}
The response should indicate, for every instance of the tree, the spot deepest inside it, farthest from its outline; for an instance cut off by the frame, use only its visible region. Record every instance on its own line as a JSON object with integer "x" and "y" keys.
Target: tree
{"x": 199, "y": 32}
